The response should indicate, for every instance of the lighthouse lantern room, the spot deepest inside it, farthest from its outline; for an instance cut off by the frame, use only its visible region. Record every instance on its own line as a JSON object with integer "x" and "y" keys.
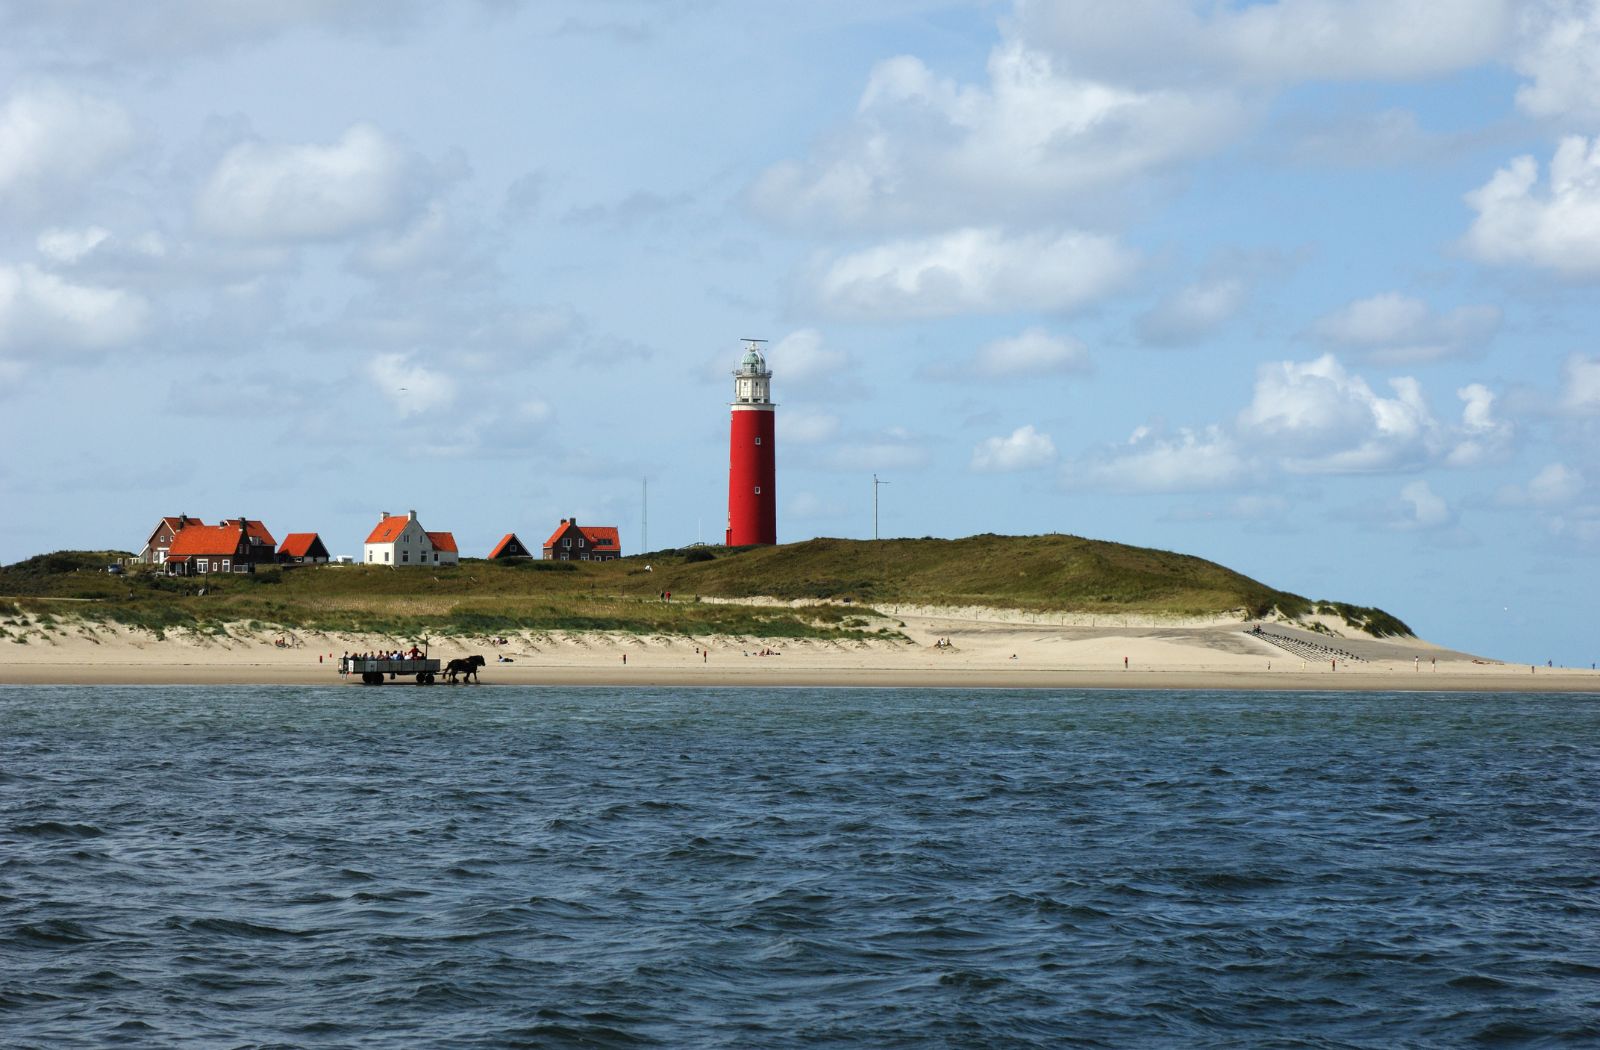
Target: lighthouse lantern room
{"x": 752, "y": 462}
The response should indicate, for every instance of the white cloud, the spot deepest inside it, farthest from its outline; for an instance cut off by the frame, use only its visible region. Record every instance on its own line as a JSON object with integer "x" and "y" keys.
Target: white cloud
{"x": 533, "y": 410}
{"x": 1310, "y": 417}
{"x": 416, "y": 245}
{"x": 51, "y": 139}
{"x": 1428, "y": 510}
{"x": 1559, "y": 49}
{"x": 975, "y": 271}
{"x": 1395, "y": 329}
{"x": 88, "y": 32}
{"x": 267, "y": 192}
{"x": 1192, "y": 312}
{"x": 42, "y": 315}
{"x": 1289, "y": 41}
{"x": 801, "y": 359}
{"x": 1024, "y": 449}
{"x": 1555, "y": 485}
{"x": 413, "y": 389}
{"x": 1556, "y": 226}
{"x": 1481, "y": 437}
{"x": 1580, "y": 391}
{"x": 1321, "y": 419}
{"x": 1189, "y": 461}
{"x": 68, "y": 246}
{"x": 928, "y": 152}
{"x": 1035, "y": 352}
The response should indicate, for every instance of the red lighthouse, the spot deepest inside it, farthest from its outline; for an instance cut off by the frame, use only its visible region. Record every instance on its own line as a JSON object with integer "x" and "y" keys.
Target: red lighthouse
{"x": 752, "y": 469}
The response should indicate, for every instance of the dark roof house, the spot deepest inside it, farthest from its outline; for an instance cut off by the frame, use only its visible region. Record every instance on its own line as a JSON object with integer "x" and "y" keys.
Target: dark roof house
{"x": 509, "y": 548}
{"x": 574, "y": 542}
{"x": 156, "y": 547}
{"x": 302, "y": 548}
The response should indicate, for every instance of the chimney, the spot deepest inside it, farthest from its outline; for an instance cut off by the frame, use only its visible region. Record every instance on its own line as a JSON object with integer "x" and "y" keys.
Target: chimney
{"x": 413, "y": 515}
{"x": 382, "y": 514}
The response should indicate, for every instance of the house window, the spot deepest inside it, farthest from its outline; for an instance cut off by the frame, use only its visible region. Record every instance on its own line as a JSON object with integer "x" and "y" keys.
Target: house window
{"x": 405, "y": 555}
{"x": 369, "y": 555}
{"x": 580, "y": 541}
{"x": 385, "y": 556}
{"x": 227, "y": 566}
{"x": 202, "y": 563}
{"x": 566, "y": 541}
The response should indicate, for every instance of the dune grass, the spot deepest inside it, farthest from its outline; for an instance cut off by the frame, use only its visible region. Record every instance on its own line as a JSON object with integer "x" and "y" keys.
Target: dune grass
{"x": 823, "y": 577}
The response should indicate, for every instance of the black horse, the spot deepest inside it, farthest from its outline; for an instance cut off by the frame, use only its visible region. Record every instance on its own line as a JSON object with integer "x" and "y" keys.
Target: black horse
{"x": 466, "y": 668}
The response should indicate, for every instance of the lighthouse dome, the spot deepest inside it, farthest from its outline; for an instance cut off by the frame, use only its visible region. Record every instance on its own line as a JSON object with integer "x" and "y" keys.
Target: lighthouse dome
{"x": 753, "y": 361}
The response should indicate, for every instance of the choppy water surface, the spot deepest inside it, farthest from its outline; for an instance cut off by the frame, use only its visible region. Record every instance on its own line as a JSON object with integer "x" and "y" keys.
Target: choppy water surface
{"x": 772, "y": 868}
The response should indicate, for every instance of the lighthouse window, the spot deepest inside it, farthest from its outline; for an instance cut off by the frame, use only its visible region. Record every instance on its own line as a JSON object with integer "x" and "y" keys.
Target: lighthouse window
{"x": 758, "y": 440}
{"x": 758, "y": 490}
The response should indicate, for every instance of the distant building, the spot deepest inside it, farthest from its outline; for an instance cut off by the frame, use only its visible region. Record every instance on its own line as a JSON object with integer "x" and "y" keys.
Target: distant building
{"x": 574, "y": 542}
{"x": 401, "y": 540}
{"x": 238, "y": 545}
{"x": 302, "y": 548}
{"x": 156, "y": 547}
{"x": 444, "y": 548}
{"x": 509, "y": 549}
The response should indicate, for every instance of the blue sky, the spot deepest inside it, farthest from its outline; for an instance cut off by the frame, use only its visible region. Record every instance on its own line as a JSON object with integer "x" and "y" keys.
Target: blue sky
{"x": 1308, "y": 288}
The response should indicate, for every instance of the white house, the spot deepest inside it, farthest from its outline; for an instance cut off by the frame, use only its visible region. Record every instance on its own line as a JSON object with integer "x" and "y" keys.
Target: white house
{"x": 400, "y": 541}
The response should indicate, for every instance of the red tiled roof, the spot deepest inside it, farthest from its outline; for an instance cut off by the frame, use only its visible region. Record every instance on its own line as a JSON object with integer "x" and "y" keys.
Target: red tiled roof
{"x": 259, "y": 531}
{"x": 389, "y": 529}
{"x": 297, "y": 544}
{"x": 443, "y": 541}
{"x": 209, "y": 540}
{"x": 602, "y": 536}
{"x": 504, "y": 543}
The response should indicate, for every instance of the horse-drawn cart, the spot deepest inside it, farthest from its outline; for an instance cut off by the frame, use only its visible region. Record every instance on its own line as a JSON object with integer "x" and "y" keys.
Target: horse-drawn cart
{"x": 377, "y": 670}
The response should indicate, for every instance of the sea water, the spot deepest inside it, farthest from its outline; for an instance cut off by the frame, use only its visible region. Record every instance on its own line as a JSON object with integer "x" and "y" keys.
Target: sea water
{"x": 501, "y": 867}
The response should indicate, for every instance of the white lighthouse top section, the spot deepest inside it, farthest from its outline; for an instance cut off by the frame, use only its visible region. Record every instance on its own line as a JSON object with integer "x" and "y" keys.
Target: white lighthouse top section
{"x": 752, "y": 382}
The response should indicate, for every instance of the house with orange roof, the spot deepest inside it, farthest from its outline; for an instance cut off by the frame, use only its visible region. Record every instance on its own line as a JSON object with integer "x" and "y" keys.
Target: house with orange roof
{"x": 509, "y": 549}
{"x": 236, "y": 545}
{"x": 156, "y": 547}
{"x": 302, "y": 548}
{"x": 400, "y": 540}
{"x": 574, "y": 542}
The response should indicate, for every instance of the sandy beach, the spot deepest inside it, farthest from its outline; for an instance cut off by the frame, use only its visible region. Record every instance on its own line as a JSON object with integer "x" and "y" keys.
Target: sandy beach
{"x": 986, "y": 648}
